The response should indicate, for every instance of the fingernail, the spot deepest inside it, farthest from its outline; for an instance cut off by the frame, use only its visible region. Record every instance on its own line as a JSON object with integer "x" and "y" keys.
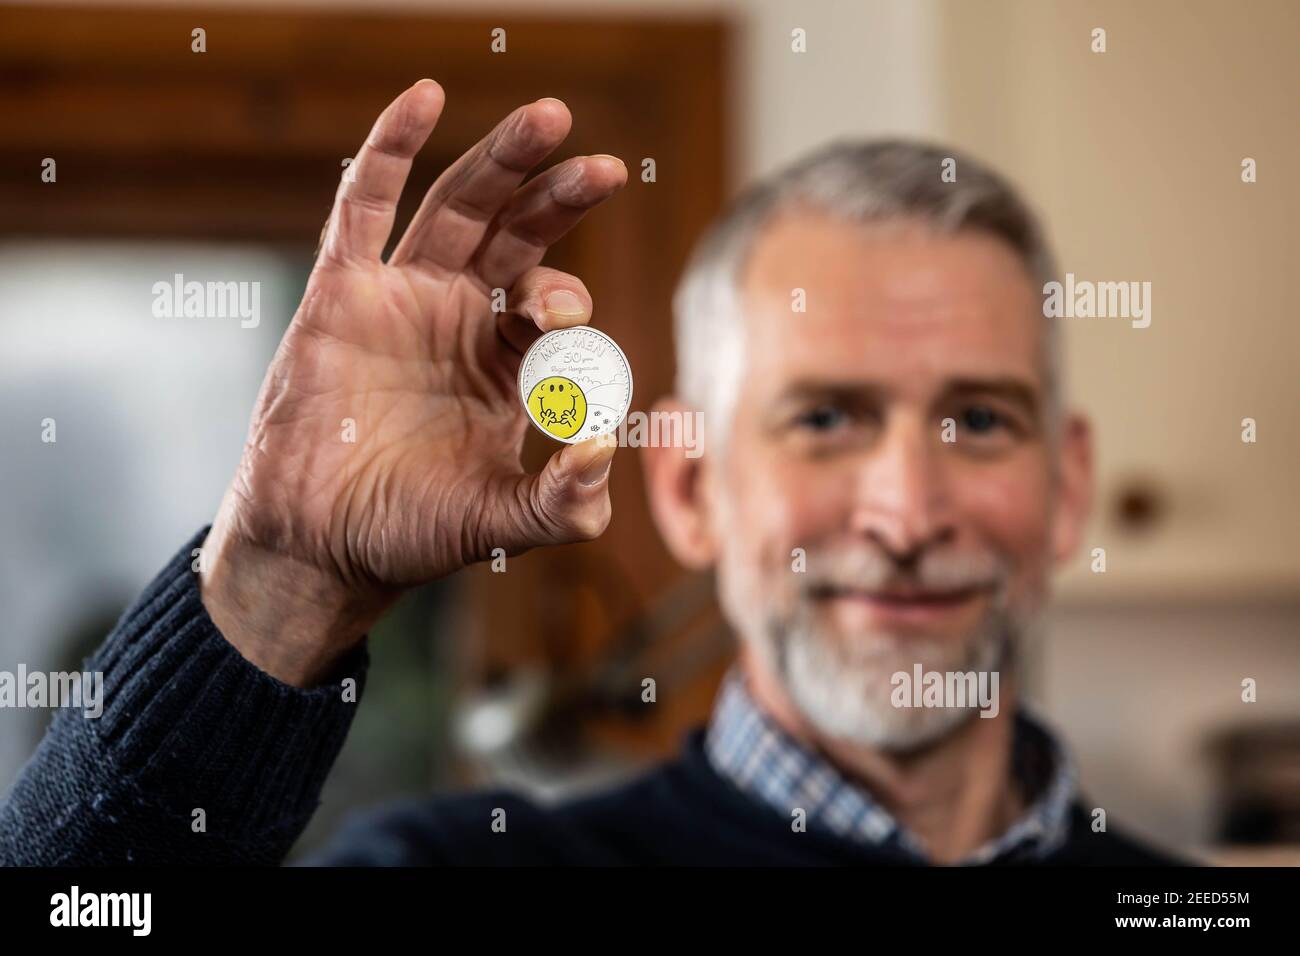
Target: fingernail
{"x": 594, "y": 472}
{"x": 609, "y": 156}
{"x": 565, "y": 303}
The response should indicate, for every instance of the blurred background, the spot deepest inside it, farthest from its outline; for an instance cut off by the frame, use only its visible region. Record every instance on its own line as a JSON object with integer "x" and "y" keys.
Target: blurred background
{"x": 221, "y": 166}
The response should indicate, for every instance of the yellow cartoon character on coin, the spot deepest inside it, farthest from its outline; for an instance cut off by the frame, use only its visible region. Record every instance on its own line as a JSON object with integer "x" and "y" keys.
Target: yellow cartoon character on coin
{"x": 558, "y": 405}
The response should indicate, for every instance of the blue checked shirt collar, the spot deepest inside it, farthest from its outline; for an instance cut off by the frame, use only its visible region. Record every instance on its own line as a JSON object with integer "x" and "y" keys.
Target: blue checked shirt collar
{"x": 748, "y": 748}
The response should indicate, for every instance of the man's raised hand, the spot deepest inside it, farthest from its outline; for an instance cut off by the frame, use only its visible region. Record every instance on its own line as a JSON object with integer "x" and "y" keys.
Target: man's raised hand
{"x": 384, "y": 449}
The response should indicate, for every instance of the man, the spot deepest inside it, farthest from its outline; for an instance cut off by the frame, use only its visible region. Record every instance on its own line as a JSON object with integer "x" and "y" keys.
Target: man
{"x": 889, "y": 477}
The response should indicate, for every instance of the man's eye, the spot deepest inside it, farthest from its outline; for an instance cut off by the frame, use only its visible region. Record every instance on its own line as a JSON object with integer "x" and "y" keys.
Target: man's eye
{"x": 981, "y": 419}
{"x": 822, "y": 418}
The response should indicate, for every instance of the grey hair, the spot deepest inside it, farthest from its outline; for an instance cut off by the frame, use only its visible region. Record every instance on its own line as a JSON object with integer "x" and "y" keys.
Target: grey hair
{"x": 859, "y": 181}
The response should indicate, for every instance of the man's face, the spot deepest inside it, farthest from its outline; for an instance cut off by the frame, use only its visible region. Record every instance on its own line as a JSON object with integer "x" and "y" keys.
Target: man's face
{"x": 918, "y": 549}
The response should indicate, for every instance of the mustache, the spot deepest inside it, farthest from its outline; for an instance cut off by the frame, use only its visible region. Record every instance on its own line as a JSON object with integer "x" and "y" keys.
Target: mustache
{"x": 865, "y": 568}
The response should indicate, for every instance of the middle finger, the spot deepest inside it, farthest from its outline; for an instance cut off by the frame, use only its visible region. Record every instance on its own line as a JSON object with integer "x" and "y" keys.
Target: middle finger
{"x": 456, "y": 211}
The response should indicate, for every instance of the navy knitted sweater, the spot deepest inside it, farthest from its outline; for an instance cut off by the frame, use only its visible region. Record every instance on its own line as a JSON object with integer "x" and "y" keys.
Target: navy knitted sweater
{"x": 188, "y": 724}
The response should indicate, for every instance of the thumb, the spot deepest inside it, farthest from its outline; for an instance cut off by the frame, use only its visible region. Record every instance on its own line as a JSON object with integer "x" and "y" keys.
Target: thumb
{"x": 569, "y": 498}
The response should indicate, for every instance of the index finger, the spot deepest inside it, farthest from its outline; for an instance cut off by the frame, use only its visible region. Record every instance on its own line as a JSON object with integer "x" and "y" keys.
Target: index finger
{"x": 366, "y": 200}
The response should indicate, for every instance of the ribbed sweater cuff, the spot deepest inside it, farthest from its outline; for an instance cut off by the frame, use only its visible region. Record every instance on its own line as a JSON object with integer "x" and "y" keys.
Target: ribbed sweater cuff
{"x": 187, "y": 718}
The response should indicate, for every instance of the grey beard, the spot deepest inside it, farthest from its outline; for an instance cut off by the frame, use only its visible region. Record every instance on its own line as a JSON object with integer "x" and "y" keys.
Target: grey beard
{"x": 843, "y": 687}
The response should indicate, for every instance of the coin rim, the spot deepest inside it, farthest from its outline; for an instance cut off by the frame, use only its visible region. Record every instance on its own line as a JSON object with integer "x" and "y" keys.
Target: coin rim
{"x": 523, "y": 363}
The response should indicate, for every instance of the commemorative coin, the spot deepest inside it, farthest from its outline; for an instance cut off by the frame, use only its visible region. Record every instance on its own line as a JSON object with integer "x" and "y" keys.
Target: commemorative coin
{"x": 576, "y": 384}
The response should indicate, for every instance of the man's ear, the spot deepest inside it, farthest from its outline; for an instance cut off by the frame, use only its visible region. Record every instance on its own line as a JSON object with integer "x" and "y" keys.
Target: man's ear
{"x": 675, "y": 485}
{"x": 1075, "y": 484}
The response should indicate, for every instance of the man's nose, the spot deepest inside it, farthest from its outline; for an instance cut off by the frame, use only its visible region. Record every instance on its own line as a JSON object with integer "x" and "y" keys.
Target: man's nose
{"x": 902, "y": 499}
